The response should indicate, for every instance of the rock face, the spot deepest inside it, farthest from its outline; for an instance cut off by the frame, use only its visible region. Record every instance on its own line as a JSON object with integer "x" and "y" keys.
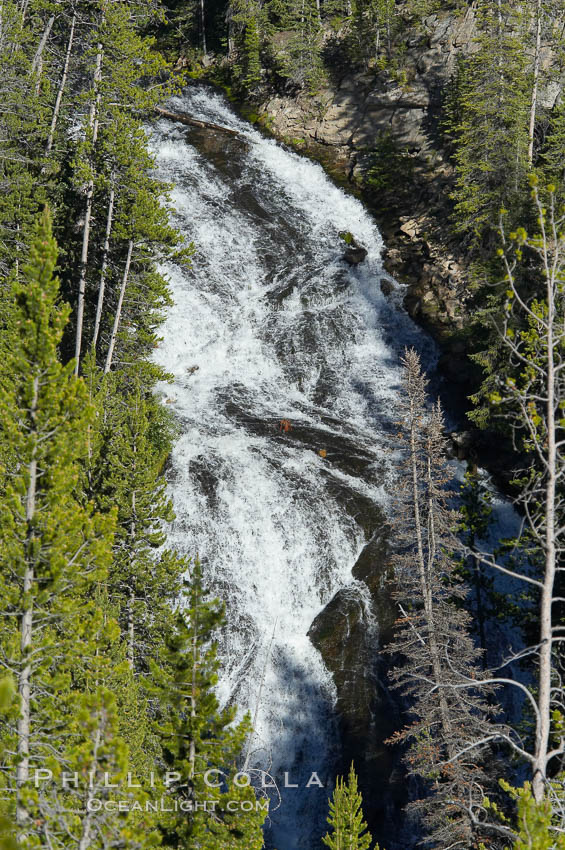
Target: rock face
{"x": 352, "y": 114}
{"x": 349, "y": 633}
{"x": 343, "y": 123}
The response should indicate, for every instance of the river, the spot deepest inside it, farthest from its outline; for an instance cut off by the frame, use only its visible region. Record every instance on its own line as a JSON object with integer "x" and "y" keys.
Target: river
{"x": 286, "y": 380}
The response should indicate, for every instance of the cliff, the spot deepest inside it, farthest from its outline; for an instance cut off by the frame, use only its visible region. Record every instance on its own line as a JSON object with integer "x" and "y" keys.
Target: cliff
{"x": 344, "y": 125}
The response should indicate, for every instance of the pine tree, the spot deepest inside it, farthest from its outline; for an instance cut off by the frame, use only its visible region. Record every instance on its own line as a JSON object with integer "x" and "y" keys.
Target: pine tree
{"x": 492, "y": 136}
{"x": 252, "y": 60}
{"x": 440, "y": 659}
{"x": 143, "y": 582}
{"x": 373, "y": 27}
{"x": 120, "y": 61}
{"x": 199, "y": 739}
{"x": 53, "y": 550}
{"x": 553, "y": 155}
{"x": 535, "y": 821}
{"x": 349, "y": 830}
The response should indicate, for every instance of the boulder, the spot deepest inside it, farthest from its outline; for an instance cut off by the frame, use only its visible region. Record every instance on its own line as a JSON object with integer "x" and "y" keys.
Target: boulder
{"x": 354, "y": 253}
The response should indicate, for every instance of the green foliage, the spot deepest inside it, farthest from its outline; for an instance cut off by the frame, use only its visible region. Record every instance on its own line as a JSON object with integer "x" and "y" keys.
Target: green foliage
{"x": 391, "y": 173}
{"x": 373, "y": 23}
{"x": 252, "y": 61}
{"x": 534, "y": 821}
{"x": 198, "y": 736}
{"x": 489, "y": 120}
{"x": 348, "y": 828}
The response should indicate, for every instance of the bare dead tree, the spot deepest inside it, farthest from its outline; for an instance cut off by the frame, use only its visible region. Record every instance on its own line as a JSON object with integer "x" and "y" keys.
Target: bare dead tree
{"x": 433, "y": 635}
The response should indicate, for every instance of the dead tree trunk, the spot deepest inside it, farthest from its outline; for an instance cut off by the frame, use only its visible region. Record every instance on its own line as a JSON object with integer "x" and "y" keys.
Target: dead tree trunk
{"x": 93, "y": 126}
{"x": 62, "y": 86}
{"x": 119, "y": 310}
{"x": 183, "y": 118}
{"x": 26, "y": 632}
{"x": 37, "y": 64}
{"x": 104, "y": 267}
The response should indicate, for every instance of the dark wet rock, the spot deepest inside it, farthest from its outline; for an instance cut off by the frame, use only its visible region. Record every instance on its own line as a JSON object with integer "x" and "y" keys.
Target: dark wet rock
{"x": 355, "y": 255}
{"x": 365, "y": 512}
{"x": 461, "y": 444}
{"x": 387, "y": 287}
{"x": 340, "y": 450}
{"x": 207, "y": 479}
{"x": 346, "y": 636}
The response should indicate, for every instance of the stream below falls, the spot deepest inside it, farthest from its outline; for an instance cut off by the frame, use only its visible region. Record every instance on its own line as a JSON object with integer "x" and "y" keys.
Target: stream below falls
{"x": 286, "y": 383}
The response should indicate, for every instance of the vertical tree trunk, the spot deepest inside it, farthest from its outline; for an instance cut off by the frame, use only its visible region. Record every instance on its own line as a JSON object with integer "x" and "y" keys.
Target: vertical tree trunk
{"x": 118, "y": 310}
{"x": 26, "y": 631}
{"x": 131, "y": 599}
{"x": 62, "y": 85}
{"x": 93, "y": 125}
{"x": 24, "y": 6}
{"x": 131, "y": 629}
{"x": 543, "y": 730}
{"x": 435, "y": 652}
{"x": 476, "y": 567}
{"x": 37, "y": 64}
{"x": 423, "y": 566}
{"x": 104, "y": 267}
{"x": 229, "y": 22}
{"x": 87, "y": 823}
{"x": 535, "y": 83}
{"x": 203, "y": 24}
{"x": 195, "y": 659}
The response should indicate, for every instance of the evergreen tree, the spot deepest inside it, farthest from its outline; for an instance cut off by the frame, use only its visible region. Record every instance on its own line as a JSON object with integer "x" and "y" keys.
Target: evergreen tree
{"x": 251, "y": 47}
{"x": 492, "y": 133}
{"x": 349, "y": 830}
{"x": 53, "y": 550}
{"x": 373, "y": 26}
{"x": 199, "y": 739}
{"x": 553, "y": 156}
{"x": 143, "y": 582}
{"x": 535, "y": 822}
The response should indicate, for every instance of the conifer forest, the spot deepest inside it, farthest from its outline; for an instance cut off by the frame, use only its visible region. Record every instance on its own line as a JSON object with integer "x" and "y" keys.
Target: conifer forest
{"x": 282, "y": 424}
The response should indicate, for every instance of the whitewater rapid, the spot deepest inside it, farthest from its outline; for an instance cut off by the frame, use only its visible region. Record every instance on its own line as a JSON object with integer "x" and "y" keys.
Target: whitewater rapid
{"x": 271, "y": 328}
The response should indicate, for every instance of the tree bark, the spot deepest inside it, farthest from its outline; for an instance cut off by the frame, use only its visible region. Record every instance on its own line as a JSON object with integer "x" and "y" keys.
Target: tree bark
{"x": 93, "y": 125}
{"x": 26, "y": 632}
{"x": 195, "y": 659}
{"x": 104, "y": 268}
{"x": 533, "y": 107}
{"x": 86, "y": 835}
{"x": 62, "y": 85}
{"x": 131, "y": 599}
{"x": 37, "y": 64}
{"x": 193, "y": 122}
{"x": 543, "y": 730}
{"x": 119, "y": 310}
{"x": 203, "y": 25}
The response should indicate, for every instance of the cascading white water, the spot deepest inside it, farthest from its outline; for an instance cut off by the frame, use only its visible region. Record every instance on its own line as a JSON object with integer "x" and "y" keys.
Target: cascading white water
{"x": 278, "y": 328}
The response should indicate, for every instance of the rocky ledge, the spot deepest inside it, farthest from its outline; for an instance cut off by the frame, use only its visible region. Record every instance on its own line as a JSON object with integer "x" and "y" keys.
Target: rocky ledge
{"x": 341, "y": 126}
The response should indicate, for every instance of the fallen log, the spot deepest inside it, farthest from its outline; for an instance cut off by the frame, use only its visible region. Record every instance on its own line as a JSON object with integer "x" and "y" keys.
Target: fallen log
{"x": 183, "y": 118}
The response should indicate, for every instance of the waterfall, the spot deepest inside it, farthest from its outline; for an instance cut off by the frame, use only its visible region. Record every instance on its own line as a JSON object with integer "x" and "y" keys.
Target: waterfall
{"x": 286, "y": 379}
